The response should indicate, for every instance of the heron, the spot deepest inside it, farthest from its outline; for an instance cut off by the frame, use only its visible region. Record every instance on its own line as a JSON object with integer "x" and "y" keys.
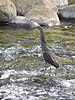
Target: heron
{"x": 48, "y": 55}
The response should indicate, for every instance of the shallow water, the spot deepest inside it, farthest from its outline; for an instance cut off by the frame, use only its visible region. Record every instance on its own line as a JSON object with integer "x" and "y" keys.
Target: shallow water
{"x": 22, "y": 74}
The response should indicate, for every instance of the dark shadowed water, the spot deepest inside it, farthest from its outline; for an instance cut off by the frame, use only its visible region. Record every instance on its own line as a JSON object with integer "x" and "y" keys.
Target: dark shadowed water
{"x": 22, "y": 74}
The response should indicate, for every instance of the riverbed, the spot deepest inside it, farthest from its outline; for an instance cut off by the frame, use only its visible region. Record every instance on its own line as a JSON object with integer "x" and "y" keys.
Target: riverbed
{"x": 22, "y": 75}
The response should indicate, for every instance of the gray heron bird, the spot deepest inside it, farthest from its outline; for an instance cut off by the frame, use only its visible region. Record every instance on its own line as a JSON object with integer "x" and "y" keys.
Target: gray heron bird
{"x": 48, "y": 56}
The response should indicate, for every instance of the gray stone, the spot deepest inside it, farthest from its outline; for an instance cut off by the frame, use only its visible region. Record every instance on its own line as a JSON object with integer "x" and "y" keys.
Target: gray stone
{"x": 24, "y": 6}
{"x": 7, "y": 10}
{"x": 43, "y": 16}
{"x": 22, "y": 22}
{"x": 44, "y": 12}
{"x": 60, "y": 3}
{"x": 67, "y": 12}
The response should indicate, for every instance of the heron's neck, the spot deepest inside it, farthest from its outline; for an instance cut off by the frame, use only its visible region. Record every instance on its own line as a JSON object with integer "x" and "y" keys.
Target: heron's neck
{"x": 42, "y": 37}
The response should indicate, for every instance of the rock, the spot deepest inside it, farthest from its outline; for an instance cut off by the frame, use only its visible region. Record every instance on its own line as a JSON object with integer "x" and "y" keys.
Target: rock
{"x": 24, "y": 6}
{"x": 7, "y": 10}
{"x": 41, "y": 11}
{"x": 67, "y": 13}
{"x": 23, "y": 22}
{"x": 60, "y": 3}
{"x": 43, "y": 16}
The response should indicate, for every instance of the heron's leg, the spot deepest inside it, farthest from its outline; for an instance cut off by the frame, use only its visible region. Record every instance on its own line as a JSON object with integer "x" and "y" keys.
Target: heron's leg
{"x": 50, "y": 71}
{"x": 45, "y": 67}
{"x": 56, "y": 72}
{"x": 62, "y": 70}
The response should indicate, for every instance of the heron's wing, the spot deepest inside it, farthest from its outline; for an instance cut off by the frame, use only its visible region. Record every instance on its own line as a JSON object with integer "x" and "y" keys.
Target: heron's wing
{"x": 50, "y": 57}
{"x": 52, "y": 54}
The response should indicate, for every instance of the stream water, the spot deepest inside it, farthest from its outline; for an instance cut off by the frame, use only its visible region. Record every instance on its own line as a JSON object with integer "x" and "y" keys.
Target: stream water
{"x": 22, "y": 74}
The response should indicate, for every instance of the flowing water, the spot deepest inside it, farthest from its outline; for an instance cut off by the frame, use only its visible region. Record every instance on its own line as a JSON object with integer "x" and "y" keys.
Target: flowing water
{"x": 22, "y": 75}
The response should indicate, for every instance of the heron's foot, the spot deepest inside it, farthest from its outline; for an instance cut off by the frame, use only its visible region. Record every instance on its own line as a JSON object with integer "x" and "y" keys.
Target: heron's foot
{"x": 45, "y": 69}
